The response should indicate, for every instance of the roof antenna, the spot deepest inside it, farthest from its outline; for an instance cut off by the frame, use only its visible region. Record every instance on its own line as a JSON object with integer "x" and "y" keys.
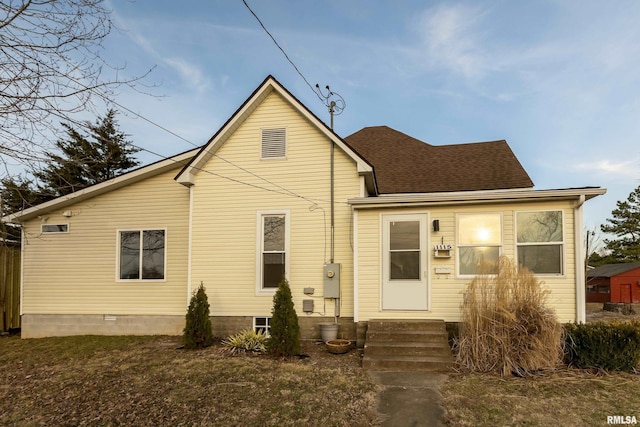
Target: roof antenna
{"x": 333, "y": 101}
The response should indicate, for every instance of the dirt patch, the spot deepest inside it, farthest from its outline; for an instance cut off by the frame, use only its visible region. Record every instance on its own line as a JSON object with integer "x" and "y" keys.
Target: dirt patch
{"x": 150, "y": 381}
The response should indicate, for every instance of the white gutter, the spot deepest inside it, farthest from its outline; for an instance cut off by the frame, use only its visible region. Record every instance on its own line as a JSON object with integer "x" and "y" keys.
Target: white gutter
{"x": 472, "y": 197}
{"x": 581, "y": 316}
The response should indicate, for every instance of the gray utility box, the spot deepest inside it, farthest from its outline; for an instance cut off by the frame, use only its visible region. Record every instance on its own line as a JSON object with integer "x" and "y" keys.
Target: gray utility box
{"x": 332, "y": 280}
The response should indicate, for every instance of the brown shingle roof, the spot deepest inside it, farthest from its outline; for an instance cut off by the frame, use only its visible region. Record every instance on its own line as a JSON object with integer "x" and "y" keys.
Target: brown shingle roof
{"x": 403, "y": 164}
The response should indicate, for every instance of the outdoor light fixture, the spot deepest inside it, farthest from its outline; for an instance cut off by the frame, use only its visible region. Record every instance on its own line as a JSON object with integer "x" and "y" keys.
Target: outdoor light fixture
{"x": 436, "y": 225}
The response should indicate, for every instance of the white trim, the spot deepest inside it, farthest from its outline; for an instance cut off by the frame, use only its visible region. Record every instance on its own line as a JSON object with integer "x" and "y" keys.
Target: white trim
{"x": 140, "y": 230}
{"x": 259, "y": 242}
{"x": 579, "y": 261}
{"x": 190, "y": 248}
{"x": 270, "y": 85}
{"x": 472, "y": 197}
{"x": 562, "y": 243}
{"x": 23, "y": 242}
{"x": 102, "y": 188}
{"x": 500, "y": 245}
{"x": 356, "y": 262}
{"x": 54, "y": 225}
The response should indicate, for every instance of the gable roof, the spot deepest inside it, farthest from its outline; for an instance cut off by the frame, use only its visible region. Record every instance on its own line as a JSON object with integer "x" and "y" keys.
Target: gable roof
{"x": 404, "y": 164}
{"x": 610, "y": 270}
{"x": 268, "y": 86}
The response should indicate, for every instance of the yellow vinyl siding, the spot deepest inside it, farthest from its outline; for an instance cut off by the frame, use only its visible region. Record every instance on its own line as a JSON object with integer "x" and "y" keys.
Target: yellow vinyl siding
{"x": 445, "y": 290}
{"x": 76, "y": 272}
{"x": 226, "y": 205}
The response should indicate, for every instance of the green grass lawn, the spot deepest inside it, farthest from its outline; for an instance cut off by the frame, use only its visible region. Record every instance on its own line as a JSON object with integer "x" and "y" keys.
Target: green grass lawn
{"x": 147, "y": 381}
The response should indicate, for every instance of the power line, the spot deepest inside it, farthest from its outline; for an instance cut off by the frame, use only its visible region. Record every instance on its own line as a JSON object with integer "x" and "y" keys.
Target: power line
{"x": 283, "y": 52}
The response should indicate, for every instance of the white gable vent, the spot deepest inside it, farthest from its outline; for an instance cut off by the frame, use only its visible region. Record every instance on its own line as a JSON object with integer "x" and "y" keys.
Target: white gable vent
{"x": 274, "y": 143}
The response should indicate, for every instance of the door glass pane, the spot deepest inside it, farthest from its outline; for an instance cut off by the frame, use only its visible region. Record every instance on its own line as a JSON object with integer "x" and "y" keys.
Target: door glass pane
{"x": 479, "y": 260}
{"x": 153, "y": 254}
{"x": 129, "y": 255}
{"x": 404, "y": 235}
{"x": 405, "y": 265}
{"x": 273, "y": 233}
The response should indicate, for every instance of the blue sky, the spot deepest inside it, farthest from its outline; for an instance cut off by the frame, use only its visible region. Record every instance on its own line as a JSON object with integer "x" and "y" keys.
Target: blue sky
{"x": 557, "y": 79}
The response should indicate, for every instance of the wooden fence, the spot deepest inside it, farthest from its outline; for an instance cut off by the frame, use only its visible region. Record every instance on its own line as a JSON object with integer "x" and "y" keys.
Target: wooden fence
{"x": 9, "y": 287}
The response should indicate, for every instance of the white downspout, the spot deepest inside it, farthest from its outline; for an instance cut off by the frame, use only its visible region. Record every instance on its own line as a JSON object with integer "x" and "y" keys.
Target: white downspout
{"x": 579, "y": 261}
{"x": 355, "y": 265}
{"x": 190, "y": 250}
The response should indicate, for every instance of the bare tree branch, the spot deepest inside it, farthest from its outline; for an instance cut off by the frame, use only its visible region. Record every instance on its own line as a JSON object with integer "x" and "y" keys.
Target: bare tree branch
{"x": 51, "y": 69}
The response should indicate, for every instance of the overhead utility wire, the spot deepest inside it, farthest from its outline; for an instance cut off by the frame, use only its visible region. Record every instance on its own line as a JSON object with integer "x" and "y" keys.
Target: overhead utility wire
{"x": 283, "y": 51}
{"x": 285, "y": 191}
{"x": 290, "y": 192}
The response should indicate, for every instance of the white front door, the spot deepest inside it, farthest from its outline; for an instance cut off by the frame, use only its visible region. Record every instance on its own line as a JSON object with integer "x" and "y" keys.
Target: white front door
{"x": 404, "y": 262}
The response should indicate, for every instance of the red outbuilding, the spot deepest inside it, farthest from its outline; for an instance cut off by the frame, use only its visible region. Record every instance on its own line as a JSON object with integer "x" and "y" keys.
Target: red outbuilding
{"x": 614, "y": 283}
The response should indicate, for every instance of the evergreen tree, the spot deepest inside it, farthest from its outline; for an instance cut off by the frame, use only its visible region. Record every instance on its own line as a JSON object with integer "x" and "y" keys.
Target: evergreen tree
{"x": 625, "y": 224}
{"x": 197, "y": 332}
{"x": 18, "y": 193}
{"x": 284, "y": 330}
{"x": 86, "y": 158}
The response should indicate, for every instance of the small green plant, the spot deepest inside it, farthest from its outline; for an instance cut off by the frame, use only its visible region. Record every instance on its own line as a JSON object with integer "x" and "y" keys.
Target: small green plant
{"x": 246, "y": 340}
{"x": 610, "y": 346}
{"x": 197, "y": 332}
{"x": 285, "y": 330}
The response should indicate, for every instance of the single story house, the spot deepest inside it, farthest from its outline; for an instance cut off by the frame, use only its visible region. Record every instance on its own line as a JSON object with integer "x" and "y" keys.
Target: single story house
{"x": 614, "y": 283}
{"x": 377, "y": 225}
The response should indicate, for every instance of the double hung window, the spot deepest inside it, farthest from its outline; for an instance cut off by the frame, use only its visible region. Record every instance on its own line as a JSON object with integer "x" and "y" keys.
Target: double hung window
{"x": 273, "y": 249}
{"x": 540, "y": 241}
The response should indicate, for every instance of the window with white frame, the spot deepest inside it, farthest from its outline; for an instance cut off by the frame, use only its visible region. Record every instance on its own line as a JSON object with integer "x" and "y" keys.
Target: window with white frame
{"x": 479, "y": 243}
{"x": 273, "y": 245}
{"x": 141, "y": 254}
{"x": 262, "y": 324}
{"x": 274, "y": 143}
{"x": 540, "y": 241}
{"x": 55, "y": 228}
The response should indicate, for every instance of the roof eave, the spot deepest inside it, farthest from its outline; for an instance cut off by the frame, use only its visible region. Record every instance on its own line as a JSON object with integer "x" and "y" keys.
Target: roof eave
{"x": 472, "y": 197}
{"x": 101, "y": 188}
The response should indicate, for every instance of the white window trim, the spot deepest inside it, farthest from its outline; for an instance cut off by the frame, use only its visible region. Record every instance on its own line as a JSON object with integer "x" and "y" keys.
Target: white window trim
{"x": 164, "y": 274}
{"x": 54, "y": 232}
{"x": 286, "y": 142}
{"x": 260, "y": 241}
{"x": 563, "y": 245}
{"x": 267, "y": 327}
{"x": 459, "y": 245}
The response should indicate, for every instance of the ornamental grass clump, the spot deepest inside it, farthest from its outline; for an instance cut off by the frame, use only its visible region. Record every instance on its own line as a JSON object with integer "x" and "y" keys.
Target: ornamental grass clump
{"x": 506, "y": 327}
{"x": 284, "y": 340}
{"x": 197, "y": 332}
{"x": 246, "y": 341}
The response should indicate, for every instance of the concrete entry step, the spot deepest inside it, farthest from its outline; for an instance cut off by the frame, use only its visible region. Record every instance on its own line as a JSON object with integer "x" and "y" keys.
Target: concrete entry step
{"x": 407, "y": 345}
